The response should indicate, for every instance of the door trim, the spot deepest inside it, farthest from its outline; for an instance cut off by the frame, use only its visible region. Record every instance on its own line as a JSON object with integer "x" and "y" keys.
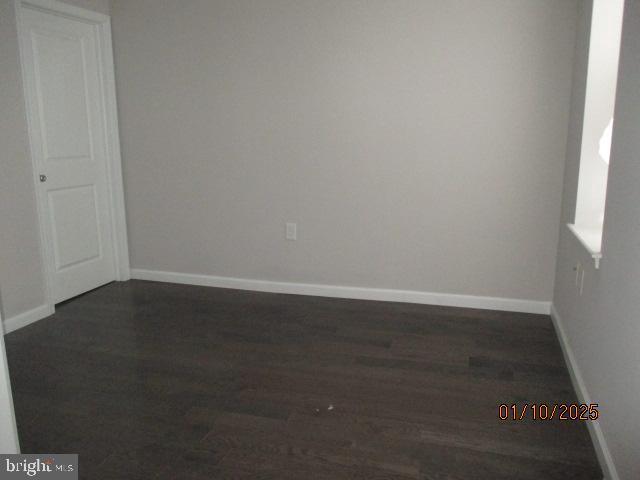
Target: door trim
{"x": 9, "y": 441}
{"x": 115, "y": 185}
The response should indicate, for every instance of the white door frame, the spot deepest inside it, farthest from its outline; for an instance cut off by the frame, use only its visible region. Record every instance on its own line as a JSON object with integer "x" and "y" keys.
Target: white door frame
{"x": 9, "y": 442}
{"x": 102, "y": 23}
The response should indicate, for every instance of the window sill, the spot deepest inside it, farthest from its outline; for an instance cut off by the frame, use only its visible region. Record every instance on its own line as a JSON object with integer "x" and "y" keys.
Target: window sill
{"x": 591, "y": 239}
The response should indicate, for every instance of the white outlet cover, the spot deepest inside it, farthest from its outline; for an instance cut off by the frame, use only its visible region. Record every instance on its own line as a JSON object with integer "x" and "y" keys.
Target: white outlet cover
{"x": 291, "y": 231}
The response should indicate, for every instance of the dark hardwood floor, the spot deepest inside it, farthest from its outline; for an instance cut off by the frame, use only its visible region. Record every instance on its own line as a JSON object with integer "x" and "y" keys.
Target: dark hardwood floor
{"x": 156, "y": 381}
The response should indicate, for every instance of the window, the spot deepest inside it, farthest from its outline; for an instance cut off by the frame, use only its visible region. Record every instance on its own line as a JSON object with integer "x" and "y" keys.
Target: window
{"x": 602, "y": 76}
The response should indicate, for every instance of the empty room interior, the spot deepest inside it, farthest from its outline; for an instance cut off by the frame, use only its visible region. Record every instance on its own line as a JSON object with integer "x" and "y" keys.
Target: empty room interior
{"x": 320, "y": 239}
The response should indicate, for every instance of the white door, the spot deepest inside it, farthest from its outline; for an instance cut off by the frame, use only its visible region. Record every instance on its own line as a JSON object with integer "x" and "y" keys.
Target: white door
{"x": 67, "y": 129}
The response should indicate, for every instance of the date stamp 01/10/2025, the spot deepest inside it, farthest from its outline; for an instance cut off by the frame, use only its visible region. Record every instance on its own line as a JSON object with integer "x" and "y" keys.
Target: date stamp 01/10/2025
{"x": 546, "y": 411}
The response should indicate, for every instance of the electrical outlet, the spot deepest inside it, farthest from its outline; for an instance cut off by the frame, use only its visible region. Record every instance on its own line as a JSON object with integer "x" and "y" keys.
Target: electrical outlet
{"x": 578, "y": 269}
{"x": 291, "y": 231}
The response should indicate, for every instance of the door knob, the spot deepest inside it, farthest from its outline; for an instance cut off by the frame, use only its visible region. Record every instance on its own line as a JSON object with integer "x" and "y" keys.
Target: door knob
{"x": 43, "y": 178}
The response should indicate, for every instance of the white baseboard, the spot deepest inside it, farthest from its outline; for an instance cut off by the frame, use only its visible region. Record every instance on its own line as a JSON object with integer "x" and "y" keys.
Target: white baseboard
{"x": 26, "y": 318}
{"x": 595, "y": 431}
{"x": 388, "y": 295}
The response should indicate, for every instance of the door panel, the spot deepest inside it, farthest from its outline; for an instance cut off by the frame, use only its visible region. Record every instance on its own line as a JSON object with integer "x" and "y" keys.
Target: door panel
{"x": 67, "y": 129}
{"x": 65, "y": 120}
{"x": 76, "y": 234}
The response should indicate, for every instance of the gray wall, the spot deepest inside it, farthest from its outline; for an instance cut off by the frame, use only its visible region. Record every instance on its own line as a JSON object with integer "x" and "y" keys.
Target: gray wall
{"x": 418, "y": 144}
{"x": 101, "y": 6}
{"x": 21, "y": 280}
{"x": 602, "y": 325}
